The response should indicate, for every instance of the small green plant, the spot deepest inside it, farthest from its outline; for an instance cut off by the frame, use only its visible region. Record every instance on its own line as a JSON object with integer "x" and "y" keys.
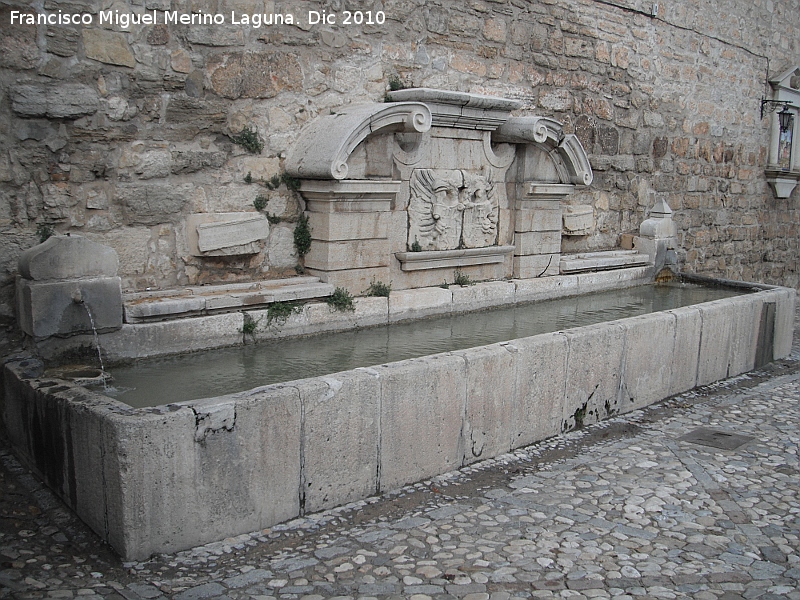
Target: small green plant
{"x": 248, "y": 139}
{"x": 445, "y": 285}
{"x": 302, "y": 236}
{"x": 44, "y": 232}
{"x": 378, "y": 288}
{"x": 460, "y": 278}
{"x": 248, "y": 178}
{"x": 260, "y": 202}
{"x": 341, "y": 299}
{"x": 273, "y": 219}
{"x": 274, "y": 182}
{"x": 299, "y": 269}
{"x": 278, "y": 312}
{"x": 395, "y": 84}
{"x": 416, "y": 247}
{"x": 250, "y": 325}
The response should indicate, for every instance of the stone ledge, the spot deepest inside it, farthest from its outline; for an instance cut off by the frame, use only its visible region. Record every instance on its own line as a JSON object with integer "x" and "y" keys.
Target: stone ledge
{"x": 601, "y": 261}
{"x": 194, "y": 301}
{"x": 440, "y": 259}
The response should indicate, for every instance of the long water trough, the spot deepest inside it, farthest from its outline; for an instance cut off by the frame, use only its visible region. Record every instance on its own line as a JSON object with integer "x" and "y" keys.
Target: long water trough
{"x": 182, "y": 473}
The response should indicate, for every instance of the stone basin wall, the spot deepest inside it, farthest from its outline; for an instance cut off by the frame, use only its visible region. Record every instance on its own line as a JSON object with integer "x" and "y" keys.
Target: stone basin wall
{"x": 169, "y": 478}
{"x": 122, "y": 134}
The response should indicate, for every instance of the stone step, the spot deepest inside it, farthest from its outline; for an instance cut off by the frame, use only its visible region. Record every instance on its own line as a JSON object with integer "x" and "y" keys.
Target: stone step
{"x": 601, "y": 261}
{"x": 202, "y": 300}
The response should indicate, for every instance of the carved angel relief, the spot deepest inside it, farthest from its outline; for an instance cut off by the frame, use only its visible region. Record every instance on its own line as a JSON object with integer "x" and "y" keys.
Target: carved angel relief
{"x": 452, "y": 208}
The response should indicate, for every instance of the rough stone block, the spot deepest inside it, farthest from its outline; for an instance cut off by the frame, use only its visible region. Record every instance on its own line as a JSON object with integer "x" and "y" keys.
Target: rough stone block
{"x": 490, "y": 399}
{"x": 348, "y": 254}
{"x": 422, "y": 405}
{"x": 153, "y": 203}
{"x": 688, "y": 328}
{"x": 110, "y": 47}
{"x": 334, "y": 226}
{"x": 341, "y": 437}
{"x": 418, "y": 303}
{"x": 536, "y": 265}
{"x": 538, "y": 242}
{"x": 540, "y": 381}
{"x": 64, "y": 101}
{"x": 482, "y": 295}
{"x": 47, "y": 308}
{"x": 647, "y": 360}
{"x": 593, "y": 374}
{"x": 163, "y": 308}
{"x": 545, "y": 288}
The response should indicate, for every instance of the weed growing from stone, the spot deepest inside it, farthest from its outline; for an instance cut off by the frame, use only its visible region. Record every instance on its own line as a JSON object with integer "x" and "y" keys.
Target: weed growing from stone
{"x": 44, "y": 232}
{"x": 416, "y": 247}
{"x": 260, "y": 203}
{"x": 248, "y": 139}
{"x": 302, "y": 236}
{"x": 248, "y": 178}
{"x": 278, "y": 312}
{"x": 460, "y": 278}
{"x": 274, "y": 182}
{"x": 378, "y": 288}
{"x": 250, "y": 325}
{"x": 341, "y": 299}
{"x": 273, "y": 219}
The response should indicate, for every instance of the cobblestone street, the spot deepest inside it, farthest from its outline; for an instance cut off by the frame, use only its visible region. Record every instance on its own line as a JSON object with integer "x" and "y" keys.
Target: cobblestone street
{"x": 639, "y": 506}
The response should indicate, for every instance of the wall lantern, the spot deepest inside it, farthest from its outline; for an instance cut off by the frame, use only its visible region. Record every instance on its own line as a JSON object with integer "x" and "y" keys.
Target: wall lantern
{"x": 783, "y": 163}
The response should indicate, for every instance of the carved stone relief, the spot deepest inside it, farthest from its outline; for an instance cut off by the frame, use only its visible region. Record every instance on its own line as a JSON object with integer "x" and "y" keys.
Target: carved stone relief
{"x": 452, "y": 208}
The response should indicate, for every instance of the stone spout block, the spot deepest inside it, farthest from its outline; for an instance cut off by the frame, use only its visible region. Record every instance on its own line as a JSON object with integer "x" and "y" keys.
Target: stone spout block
{"x": 68, "y": 257}
{"x": 68, "y": 285}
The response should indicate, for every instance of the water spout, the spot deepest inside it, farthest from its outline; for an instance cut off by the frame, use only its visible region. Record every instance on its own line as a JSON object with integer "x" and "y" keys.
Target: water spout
{"x": 77, "y": 298}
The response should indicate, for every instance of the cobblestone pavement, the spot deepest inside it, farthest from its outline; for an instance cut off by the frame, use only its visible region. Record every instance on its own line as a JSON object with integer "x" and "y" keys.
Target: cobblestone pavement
{"x": 629, "y": 508}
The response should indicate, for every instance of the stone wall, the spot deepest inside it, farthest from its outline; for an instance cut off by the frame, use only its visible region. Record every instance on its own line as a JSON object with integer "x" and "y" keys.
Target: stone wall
{"x": 121, "y": 133}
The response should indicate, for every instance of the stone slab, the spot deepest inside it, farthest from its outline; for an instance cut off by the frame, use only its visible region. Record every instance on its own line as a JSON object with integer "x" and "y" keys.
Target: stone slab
{"x": 418, "y": 303}
{"x": 593, "y": 374}
{"x": 340, "y": 438}
{"x": 648, "y": 358}
{"x": 482, "y": 295}
{"x": 491, "y": 398}
{"x": 174, "y": 337}
{"x": 540, "y": 382}
{"x": 545, "y": 288}
{"x": 714, "y": 355}
{"x": 686, "y": 349}
{"x": 422, "y": 406}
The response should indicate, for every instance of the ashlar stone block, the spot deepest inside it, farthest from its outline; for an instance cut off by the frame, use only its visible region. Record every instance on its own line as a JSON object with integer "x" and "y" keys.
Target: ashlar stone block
{"x": 422, "y": 405}
{"x": 340, "y": 438}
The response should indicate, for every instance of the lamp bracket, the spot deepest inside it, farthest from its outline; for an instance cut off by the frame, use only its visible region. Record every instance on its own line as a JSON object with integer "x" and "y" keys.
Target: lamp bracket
{"x": 772, "y": 105}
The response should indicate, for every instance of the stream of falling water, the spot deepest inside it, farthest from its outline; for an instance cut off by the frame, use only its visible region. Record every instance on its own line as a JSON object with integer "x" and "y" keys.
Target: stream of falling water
{"x": 103, "y": 374}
